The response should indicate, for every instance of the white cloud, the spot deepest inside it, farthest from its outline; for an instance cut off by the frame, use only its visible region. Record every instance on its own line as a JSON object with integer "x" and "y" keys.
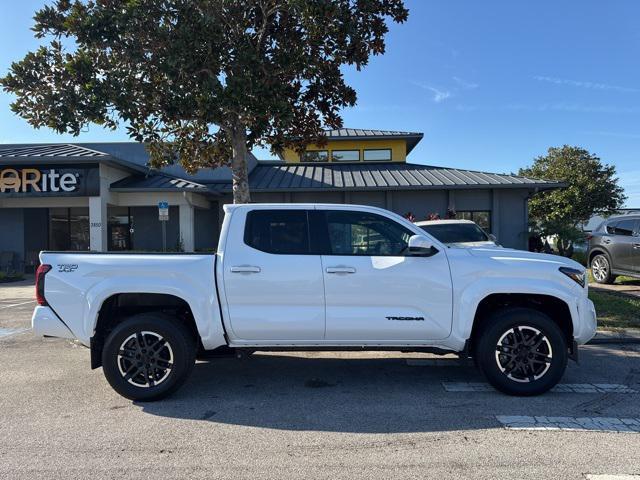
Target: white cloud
{"x": 585, "y": 84}
{"x": 438, "y": 95}
{"x": 465, "y": 84}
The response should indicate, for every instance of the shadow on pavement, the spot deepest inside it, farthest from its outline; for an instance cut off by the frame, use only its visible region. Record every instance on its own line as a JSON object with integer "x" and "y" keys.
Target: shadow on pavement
{"x": 367, "y": 395}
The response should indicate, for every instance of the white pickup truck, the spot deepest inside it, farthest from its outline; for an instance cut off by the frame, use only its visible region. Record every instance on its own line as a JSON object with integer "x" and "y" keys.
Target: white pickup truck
{"x": 316, "y": 277}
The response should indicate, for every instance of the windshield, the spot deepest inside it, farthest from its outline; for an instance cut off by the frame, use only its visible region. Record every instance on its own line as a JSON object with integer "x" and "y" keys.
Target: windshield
{"x": 456, "y": 232}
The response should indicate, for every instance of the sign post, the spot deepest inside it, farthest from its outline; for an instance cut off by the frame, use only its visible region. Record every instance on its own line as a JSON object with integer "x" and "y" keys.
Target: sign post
{"x": 163, "y": 216}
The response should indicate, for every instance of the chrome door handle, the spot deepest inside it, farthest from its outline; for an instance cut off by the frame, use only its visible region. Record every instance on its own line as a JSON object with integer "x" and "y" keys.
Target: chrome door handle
{"x": 636, "y": 245}
{"x": 606, "y": 240}
{"x": 341, "y": 270}
{"x": 245, "y": 269}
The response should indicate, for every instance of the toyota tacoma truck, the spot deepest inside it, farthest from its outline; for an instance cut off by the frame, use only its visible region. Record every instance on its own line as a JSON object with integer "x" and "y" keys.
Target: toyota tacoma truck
{"x": 302, "y": 277}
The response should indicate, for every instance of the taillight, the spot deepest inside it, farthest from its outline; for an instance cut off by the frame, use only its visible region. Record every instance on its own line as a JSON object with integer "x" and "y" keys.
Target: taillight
{"x": 40, "y": 273}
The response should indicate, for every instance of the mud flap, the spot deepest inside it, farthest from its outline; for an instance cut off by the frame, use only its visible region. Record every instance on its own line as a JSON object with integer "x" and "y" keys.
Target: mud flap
{"x": 96, "y": 345}
{"x": 573, "y": 351}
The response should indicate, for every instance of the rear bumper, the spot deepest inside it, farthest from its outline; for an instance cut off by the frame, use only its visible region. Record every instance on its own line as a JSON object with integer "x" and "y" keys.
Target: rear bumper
{"x": 587, "y": 322}
{"x": 46, "y": 323}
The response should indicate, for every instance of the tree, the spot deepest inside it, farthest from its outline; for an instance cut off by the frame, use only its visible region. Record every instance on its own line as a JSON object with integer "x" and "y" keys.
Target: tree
{"x": 592, "y": 188}
{"x": 199, "y": 81}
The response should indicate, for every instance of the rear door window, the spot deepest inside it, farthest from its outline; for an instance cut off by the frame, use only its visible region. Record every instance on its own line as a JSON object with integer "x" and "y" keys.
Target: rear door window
{"x": 625, "y": 227}
{"x": 284, "y": 232}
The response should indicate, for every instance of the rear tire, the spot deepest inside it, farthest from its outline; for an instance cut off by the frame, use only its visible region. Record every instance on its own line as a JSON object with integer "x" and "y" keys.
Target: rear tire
{"x": 148, "y": 356}
{"x": 522, "y": 352}
{"x": 601, "y": 269}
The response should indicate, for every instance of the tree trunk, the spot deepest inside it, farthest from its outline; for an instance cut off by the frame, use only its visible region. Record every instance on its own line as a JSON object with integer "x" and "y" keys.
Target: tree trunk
{"x": 239, "y": 169}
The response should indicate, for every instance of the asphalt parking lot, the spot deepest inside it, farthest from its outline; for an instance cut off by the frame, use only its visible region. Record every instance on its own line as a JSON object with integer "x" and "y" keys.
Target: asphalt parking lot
{"x": 313, "y": 415}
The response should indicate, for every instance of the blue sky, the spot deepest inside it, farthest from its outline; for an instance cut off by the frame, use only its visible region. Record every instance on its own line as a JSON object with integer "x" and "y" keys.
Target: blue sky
{"x": 491, "y": 84}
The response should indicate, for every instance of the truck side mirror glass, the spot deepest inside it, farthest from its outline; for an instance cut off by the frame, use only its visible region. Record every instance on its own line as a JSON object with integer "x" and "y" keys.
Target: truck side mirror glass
{"x": 420, "y": 245}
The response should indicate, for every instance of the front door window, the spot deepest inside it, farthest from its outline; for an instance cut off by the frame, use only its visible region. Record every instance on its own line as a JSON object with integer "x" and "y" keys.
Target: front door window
{"x": 120, "y": 226}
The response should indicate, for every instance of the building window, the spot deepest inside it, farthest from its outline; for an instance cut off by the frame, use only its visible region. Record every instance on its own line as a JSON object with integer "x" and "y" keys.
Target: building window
{"x": 480, "y": 217}
{"x": 345, "y": 155}
{"x": 377, "y": 155}
{"x": 69, "y": 229}
{"x": 315, "y": 156}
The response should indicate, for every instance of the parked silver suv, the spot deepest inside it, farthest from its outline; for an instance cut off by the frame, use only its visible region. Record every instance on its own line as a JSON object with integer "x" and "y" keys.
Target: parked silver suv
{"x": 614, "y": 248}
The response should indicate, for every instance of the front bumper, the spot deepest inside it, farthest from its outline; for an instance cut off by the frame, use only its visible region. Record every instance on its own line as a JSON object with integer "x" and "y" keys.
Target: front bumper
{"x": 587, "y": 324}
{"x": 46, "y": 323}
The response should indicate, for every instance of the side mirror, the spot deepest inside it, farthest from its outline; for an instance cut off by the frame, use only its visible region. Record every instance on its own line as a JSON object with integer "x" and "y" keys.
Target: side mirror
{"x": 493, "y": 238}
{"x": 420, "y": 245}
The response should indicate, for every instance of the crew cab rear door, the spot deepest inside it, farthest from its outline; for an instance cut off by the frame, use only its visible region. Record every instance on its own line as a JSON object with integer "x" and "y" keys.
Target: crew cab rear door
{"x": 375, "y": 291}
{"x": 622, "y": 247}
{"x": 272, "y": 283}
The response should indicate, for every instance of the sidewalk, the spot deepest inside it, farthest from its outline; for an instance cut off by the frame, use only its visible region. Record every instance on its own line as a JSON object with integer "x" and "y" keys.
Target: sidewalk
{"x": 628, "y": 289}
{"x": 623, "y": 335}
{"x": 21, "y": 289}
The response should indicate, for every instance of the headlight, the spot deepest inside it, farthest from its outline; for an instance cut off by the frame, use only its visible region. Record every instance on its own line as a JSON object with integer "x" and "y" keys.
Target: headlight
{"x": 578, "y": 276}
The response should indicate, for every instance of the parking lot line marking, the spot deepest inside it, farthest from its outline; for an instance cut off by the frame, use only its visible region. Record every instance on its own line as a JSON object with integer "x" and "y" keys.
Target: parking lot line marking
{"x": 612, "y": 477}
{"x": 6, "y": 332}
{"x": 560, "y": 388}
{"x": 16, "y": 304}
{"x": 577, "y": 424}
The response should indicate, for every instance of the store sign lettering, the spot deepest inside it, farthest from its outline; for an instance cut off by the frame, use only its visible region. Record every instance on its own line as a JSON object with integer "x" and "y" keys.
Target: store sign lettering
{"x": 33, "y": 180}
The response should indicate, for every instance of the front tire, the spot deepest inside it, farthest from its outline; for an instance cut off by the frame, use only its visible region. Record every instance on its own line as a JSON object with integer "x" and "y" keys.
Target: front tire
{"x": 148, "y": 356}
{"x": 522, "y": 352}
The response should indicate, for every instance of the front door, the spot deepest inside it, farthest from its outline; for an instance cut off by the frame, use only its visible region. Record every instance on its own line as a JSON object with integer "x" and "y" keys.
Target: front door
{"x": 273, "y": 285}
{"x": 374, "y": 290}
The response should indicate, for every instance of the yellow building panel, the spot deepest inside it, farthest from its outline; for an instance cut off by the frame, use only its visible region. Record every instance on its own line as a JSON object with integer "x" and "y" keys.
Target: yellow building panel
{"x": 398, "y": 148}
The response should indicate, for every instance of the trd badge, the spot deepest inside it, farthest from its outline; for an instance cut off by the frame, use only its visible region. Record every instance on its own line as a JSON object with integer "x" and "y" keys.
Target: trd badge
{"x": 67, "y": 268}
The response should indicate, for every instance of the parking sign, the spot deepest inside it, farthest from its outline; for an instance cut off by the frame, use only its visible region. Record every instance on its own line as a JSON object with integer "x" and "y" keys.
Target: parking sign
{"x": 163, "y": 211}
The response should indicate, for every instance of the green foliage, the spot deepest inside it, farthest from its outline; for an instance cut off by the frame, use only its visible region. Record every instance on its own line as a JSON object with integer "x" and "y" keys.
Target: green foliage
{"x": 615, "y": 310}
{"x": 591, "y": 188}
{"x": 179, "y": 247}
{"x": 200, "y": 81}
{"x": 10, "y": 277}
{"x": 580, "y": 257}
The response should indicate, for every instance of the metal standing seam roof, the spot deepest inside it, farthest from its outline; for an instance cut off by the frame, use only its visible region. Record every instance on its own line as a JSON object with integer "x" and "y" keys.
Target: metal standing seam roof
{"x": 412, "y": 138}
{"x": 361, "y": 132}
{"x": 385, "y": 176}
{"x": 158, "y": 182}
{"x": 57, "y": 150}
{"x": 277, "y": 176}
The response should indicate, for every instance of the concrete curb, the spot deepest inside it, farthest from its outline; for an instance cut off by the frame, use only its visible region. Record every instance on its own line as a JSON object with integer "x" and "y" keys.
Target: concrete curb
{"x": 628, "y": 292}
{"x": 627, "y": 336}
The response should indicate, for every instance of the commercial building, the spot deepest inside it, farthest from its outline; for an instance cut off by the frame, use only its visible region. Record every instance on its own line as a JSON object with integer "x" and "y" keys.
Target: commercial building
{"x": 103, "y": 197}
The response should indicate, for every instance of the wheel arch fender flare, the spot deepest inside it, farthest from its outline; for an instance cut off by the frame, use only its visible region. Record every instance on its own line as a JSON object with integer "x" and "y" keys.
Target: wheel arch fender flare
{"x": 598, "y": 251}
{"x": 470, "y": 299}
{"x": 203, "y": 305}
